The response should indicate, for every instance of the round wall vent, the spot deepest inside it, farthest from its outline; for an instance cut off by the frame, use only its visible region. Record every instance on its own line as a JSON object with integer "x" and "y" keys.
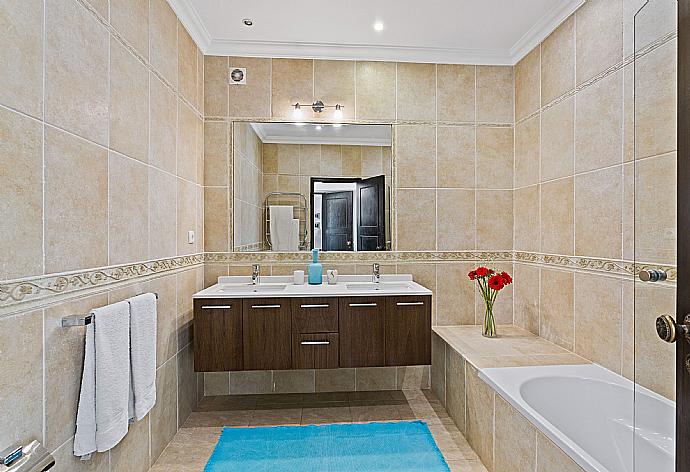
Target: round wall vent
{"x": 238, "y": 76}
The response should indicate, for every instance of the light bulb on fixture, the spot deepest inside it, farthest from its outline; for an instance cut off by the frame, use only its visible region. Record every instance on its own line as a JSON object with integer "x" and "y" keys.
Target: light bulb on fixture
{"x": 338, "y": 113}
{"x": 297, "y": 112}
{"x": 337, "y": 125}
{"x": 318, "y": 128}
{"x": 378, "y": 26}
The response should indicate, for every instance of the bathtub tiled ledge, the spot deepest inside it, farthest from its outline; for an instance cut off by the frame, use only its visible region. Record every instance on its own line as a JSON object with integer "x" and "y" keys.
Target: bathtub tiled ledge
{"x": 500, "y": 435}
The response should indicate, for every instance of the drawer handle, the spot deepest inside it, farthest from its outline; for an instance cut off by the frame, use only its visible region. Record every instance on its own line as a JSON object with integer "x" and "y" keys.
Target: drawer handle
{"x": 409, "y": 303}
{"x": 363, "y": 304}
{"x": 315, "y": 343}
{"x": 216, "y": 307}
{"x": 265, "y": 306}
{"x": 325, "y": 305}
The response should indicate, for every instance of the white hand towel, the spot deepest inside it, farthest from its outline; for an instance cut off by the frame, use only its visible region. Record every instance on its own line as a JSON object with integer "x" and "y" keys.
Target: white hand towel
{"x": 102, "y": 415}
{"x": 142, "y": 326}
{"x": 281, "y": 227}
{"x": 293, "y": 239}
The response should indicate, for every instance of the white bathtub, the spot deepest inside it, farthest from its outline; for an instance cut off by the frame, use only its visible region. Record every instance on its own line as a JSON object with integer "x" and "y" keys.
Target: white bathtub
{"x": 588, "y": 411}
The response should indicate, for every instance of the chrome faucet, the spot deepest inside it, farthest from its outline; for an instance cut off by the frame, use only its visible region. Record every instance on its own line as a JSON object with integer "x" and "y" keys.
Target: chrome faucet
{"x": 256, "y": 277}
{"x": 376, "y": 273}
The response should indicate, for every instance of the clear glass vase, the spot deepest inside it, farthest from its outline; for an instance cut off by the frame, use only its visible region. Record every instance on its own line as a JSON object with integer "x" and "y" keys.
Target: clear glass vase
{"x": 489, "y": 327}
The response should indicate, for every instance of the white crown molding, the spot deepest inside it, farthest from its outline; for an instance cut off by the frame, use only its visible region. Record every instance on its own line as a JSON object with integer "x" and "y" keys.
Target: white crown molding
{"x": 543, "y": 28}
{"x": 326, "y": 141}
{"x": 192, "y": 21}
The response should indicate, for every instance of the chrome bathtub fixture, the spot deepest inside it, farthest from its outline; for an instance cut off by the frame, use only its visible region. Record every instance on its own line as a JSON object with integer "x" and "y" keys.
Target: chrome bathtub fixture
{"x": 376, "y": 273}
{"x": 653, "y": 275}
{"x": 256, "y": 274}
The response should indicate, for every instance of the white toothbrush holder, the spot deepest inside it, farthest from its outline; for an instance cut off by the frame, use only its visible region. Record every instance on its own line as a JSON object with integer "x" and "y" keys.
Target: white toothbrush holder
{"x": 298, "y": 277}
{"x": 332, "y": 276}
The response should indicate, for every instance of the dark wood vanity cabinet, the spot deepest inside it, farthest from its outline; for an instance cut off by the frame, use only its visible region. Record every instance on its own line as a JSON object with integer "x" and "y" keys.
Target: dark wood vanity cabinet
{"x": 311, "y": 333}
{"x": 217, "y": 335}
{"x": 362, "y": 331}
{"x": 266, "y": 334}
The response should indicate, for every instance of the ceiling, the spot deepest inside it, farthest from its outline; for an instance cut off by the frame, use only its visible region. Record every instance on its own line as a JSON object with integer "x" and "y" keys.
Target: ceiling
{"x": 316, "y": 133}
{"x": 443, "y": 31}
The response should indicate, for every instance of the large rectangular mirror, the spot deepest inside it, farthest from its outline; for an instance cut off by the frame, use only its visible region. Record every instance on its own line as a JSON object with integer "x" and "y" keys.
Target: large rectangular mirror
{"x": 299, "y": 186}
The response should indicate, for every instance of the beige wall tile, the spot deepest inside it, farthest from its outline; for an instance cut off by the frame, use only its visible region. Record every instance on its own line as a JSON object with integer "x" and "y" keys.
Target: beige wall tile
{"x": 163, "y": 227}
{"x": 438, "y": 367}
{"x": 527, "y": 84}
{"x": 287, "y": 159}
{"x": 556, "y": 310}
{"x": 456, "y": 156}
{"x": 598, "y": 319}
{"x": 557, "y": 210}
{"x": 599, "y": 37}
{"x": 21, "y": 33}
{"x": 21, "y": 418}
{"x": 352, "y": 161}
{"x": 527, "y": 218}
{"x": 415, "y": 377}
{"x": 455, "y": 295}
{"x": 515, "y": 440}
{"x": 163, "y": 110}
{"x": 526, "y": 296}
{"x": 654, "y": 228}
{"x": 370, "y": 379}
{"x": 416, "y": 156}
{"x": 163, "y": 39}
{"x": 527, "y": 157}
{"x": 495, "y": 155}
{"x": 76, "y": 228}
{"x": 416, "y": 91}
{"x": 186, "y": 216}
{"x": 66, "y": 461}
{"x": 166, "y": 327}
{"x": 557, "y": 140}
{"x": 417, "y": 210}
{"x": 331, "y": 161}
{"x": 216, "y": 221}
{"x": 186, "y": 142}
{"x": 334, "y": 83}
{"x": 216, "y": 153}
{"x": 480, "y": 416}
{"x": 254, "y": 98}
{"x": 599, "y": 124}
{"x": 186, "y": 384}
{"x": 456, "y": 223}
{"x": 551, "y": 457}
{"x": 21, "y": 195}
{"x": 292, "y": 82}
{"x": 655, "y": 101}
{"x": 455, "y": 388}
{"x": 558, "y": 62}
{"x": 495, "y": 219}
{"x": 216, "y": 88}
{"x": 216, "y": 383}
{"x": 129, "y": 104}
{"x": 371, "y": 161}
{"x": 132, "y": 453}
{"x": 495, "y": 92}
{"x": 128, "y": 218}
{"x": 186, "y": 64}
{"x": 200, "y": 80}
{"x": 598, "y": 213}
{"x": 334, "y": 380}
{"x": 76, "y": 84}
{"x": 375, "y": 90}
{"x": 64, "y": 358}
{"x": 131, "y": 19}
{"x": 456, "y": 92}
{"x": 163, "y": 416}
{"x": 248, "y": 382}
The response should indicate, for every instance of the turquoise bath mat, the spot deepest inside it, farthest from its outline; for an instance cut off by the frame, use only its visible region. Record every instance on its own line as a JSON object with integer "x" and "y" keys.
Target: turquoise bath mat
{"x": 370, "y": 447}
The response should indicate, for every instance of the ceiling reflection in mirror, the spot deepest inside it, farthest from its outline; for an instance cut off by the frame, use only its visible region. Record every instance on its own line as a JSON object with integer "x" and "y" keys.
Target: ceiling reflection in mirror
{"x": 299, "y": 186}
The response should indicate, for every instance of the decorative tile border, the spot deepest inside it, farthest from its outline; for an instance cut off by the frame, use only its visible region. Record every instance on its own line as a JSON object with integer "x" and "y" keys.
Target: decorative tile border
{"x": 30, "y": 293}
{"x": 37, "y": 291}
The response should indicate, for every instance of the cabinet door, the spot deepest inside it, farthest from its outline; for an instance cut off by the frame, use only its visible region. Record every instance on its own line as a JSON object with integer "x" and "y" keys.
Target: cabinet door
{"x": 408, "y": 330}
{"x": 266, "y": 334}
{"x": 217, "y": 335}
{"x": 361, "y": 323}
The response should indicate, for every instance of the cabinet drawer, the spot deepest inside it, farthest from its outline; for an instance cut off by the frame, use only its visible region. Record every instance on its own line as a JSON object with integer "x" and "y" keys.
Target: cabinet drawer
{"x": 315, "y": 351}
{"x": 314, "y": 315}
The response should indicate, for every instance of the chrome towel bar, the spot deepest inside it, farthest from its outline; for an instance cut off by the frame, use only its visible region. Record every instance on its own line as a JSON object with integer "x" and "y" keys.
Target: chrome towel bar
{"x": 80, "y": 320}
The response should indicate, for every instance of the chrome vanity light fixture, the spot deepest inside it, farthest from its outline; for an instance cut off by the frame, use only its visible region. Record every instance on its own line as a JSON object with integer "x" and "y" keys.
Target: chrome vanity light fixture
{"x": 318, "y": 106}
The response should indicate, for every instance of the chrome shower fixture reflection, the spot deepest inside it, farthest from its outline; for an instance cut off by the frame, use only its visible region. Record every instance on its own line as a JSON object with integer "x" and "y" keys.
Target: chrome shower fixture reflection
{"x": 318, "y": 106}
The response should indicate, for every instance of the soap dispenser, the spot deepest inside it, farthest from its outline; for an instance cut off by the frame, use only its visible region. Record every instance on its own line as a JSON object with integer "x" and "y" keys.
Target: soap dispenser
{"x": 315, "y": 269}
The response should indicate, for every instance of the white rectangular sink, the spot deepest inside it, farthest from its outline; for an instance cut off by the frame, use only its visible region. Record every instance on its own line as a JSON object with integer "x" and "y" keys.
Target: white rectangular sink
{"x": 249, "y": 288}
{"x": 380, "y": 287}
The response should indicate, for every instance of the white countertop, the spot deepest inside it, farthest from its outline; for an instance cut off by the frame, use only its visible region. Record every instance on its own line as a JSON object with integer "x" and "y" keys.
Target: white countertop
{"x": 283, "y": 287}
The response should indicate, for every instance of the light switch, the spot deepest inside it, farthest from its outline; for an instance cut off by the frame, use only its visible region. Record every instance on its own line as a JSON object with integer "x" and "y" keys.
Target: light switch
{"x": 190, "y": 237}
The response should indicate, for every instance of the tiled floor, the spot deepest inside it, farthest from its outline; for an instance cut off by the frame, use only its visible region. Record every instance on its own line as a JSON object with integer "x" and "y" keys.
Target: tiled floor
{"x": 193, "y": 444}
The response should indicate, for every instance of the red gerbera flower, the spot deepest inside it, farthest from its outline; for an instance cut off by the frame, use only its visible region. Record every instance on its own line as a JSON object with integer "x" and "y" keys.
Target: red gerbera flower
{"x": 482, "y": 271}
{"x": 496, "y": 282}
{"x": 472, "y": 275}
{"x": 507, "y": 279}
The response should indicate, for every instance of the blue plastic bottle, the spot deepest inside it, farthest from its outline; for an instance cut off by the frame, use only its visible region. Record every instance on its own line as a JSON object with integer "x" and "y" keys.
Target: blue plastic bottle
{"x": 315, "y": 269}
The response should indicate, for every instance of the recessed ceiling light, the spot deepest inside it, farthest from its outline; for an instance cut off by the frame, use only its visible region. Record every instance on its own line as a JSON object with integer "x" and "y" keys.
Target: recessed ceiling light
{"x": 318, "y": 127}
{"x": 247, "y": 22}
{"x": 378, "y": 26}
